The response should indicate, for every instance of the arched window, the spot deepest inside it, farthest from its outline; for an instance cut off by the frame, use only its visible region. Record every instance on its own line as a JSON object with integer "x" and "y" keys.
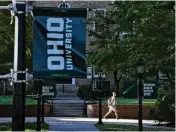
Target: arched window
{"x": 64, "y": 5}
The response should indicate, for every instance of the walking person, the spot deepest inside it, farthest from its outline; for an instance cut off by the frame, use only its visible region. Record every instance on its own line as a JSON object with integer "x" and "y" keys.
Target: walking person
{"x": 112, "y": 106}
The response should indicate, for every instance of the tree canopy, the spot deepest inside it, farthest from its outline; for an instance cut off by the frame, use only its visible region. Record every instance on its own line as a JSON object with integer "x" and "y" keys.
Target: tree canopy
{"x": 131, "y": 30}
{"x": 134, "y": 29}
{"x": 7, "y": 41}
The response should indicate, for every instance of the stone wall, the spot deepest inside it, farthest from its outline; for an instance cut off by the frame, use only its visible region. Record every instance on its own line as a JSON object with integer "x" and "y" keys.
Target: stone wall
{"x": 31, "y": 110}
{"x": 124, "y": 111}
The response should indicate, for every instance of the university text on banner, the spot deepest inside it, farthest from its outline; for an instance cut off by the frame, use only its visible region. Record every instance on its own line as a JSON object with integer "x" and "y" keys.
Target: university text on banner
{"x": 59, "y": 42}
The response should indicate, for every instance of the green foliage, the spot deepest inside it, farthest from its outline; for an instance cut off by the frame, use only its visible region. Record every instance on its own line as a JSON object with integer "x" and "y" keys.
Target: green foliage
{"x": 120, "y": 127}
{"x": 126, "y": 101}
{"x": 29, "y": 126}
{"x": 148, "y": 32}
{"x": 30, "y": 88}
{"x": 164, "y": 109}
{"x": 131, "y": 30}
{"x": 94, "y": 95}
{"x": 8, "y": 100}
{"x": 7, "y": 41}
{"x": 84, "y": 91}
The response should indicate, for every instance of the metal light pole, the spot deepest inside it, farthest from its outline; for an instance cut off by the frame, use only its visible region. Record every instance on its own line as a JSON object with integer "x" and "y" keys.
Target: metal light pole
{"x": 92, "y": 76}
{"x": 140, "y": 102}
{"x": 100, "y": 93}
{"x": 38, "y": 128}
{"x": 39, "y": 85}
{"x": 43, "y": 109}
{"x": 140, "y": 71}
{"x": 18, "y": 117}
{"x": 19, "y": 10}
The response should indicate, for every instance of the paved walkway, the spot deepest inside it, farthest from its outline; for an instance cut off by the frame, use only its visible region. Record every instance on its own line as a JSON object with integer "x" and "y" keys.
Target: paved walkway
{"x": 84, "y": 124}
{"x": 67, "y": 125}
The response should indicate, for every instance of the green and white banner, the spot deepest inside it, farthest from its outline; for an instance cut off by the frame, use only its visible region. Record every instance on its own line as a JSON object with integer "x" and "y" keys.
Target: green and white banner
{"x": 59, "y": 42}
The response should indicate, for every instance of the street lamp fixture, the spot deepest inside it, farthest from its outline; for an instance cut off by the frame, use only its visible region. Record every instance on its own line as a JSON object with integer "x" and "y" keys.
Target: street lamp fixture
{"x": 97, "y": 86}
{"x": 100, "y": 74}
{"x": 140, "y": 68}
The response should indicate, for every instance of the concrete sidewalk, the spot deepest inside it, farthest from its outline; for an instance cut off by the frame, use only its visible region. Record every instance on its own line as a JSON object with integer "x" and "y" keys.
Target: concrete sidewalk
{"x": 86, "y": 124}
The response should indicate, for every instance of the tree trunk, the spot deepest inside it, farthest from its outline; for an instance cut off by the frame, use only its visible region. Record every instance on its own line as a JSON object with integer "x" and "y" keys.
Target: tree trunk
{"x": 116, "y": 82}
{"x": 157, "y": 77}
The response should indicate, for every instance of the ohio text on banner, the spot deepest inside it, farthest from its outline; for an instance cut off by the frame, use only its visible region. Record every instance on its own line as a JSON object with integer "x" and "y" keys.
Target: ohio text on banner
{"x": 59, "y": 42}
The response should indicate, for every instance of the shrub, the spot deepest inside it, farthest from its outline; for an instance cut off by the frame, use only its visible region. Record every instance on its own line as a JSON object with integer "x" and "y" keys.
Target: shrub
{"x": 84, "y": 91}
{"x": 33, "y": 86}
{"x": 30, "y": 88}
{"x": 164, "y": 109}
{"x": 95, "y": 95}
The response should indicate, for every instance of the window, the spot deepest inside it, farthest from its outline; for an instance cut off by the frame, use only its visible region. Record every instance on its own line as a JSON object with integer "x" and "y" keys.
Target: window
{"x": 99, "y": 11}
{"x": 64, "y": 5}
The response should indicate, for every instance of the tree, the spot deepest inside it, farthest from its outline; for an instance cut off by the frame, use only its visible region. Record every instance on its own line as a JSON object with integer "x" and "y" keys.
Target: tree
{"x": 145, "y": 31}
{"x": 106, "y": 45}
{"x": 149, "y": 36}
{"x": 7, "y": 41}
{"x": 148, "y": 29}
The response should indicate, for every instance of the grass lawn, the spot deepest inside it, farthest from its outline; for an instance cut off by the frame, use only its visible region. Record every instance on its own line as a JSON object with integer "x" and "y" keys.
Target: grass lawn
{"x": 118, "y": 127}
{"x": 29, "y": 126}
{"x": 125, "y": 101}
{"x": 8, "y": 100}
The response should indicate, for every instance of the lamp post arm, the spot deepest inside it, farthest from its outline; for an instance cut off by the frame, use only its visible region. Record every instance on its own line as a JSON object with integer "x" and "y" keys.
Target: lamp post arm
{"x": 5, "y": 7}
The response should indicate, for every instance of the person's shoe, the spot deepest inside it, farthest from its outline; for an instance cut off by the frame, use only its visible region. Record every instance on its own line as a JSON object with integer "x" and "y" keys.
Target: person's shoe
{"x": 118, "y": 118}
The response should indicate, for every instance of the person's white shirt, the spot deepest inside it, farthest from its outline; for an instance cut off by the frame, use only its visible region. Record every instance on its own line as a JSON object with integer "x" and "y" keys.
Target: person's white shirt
{"x": 113, "y": 101}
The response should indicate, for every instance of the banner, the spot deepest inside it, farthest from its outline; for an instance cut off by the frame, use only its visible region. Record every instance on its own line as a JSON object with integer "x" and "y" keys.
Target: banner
{"x": 59, "y": 42}
{"x": 149, "y": 90}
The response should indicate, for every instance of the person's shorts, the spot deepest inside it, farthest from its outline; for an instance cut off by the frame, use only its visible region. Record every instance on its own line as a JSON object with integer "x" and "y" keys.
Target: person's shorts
{"x": 112, "y": 108}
